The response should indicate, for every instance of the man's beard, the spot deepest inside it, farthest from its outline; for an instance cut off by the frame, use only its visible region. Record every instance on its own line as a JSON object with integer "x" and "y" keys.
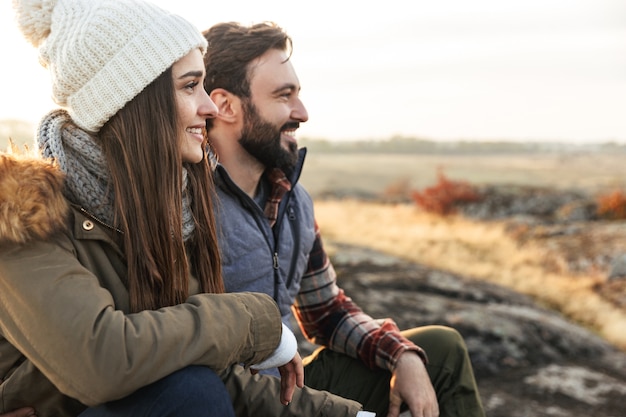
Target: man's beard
{"x": 261, "y": 139}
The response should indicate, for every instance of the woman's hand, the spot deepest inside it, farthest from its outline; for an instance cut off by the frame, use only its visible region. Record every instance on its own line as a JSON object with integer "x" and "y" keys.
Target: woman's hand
{"x": 23, "y": 412}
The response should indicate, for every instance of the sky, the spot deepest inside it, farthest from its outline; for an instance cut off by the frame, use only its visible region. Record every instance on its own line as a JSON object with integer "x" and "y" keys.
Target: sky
{"x": 515, "y": 70}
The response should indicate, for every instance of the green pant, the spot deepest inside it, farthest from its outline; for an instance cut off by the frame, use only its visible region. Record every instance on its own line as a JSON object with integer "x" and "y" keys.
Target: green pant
{"x": 449, "y": 368}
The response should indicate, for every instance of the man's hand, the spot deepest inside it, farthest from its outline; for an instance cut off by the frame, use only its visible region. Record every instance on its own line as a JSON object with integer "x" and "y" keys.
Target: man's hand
{"x": 411, "y": 384}
{"x": 21, "y": 412}
{"x": 291, "y": 375}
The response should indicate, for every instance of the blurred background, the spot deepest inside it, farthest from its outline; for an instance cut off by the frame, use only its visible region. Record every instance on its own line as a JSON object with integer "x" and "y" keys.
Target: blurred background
{"x": 467, "y": 164}
{"x": 534, "y": 70}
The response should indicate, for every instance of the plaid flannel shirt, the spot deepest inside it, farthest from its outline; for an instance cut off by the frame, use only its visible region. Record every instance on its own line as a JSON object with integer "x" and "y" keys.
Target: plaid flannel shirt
{"x": 330, "y": 318}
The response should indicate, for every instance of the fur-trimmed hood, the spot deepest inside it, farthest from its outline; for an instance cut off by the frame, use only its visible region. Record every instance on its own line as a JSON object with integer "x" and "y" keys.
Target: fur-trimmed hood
{"x": 32, "y": 205}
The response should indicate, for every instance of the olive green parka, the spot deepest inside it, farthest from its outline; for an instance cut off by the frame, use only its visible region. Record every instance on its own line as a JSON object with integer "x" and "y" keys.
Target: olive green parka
{"x": 67, "y": 339}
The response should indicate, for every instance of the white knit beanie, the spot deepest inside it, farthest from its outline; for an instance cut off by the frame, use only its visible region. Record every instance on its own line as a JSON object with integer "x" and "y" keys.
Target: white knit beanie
{"x": 102, "y": 53}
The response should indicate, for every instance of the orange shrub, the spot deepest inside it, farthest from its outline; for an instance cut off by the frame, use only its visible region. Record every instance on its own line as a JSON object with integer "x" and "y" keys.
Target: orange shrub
{"x": 444, "y": 197}
{"x": 612, "y": 205}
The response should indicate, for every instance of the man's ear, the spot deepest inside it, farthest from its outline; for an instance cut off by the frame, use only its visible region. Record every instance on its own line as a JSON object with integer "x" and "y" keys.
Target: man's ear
{"x": 228, "y": 104}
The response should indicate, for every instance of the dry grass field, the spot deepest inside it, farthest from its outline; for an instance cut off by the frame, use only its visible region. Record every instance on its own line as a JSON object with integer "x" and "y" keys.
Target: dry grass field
{"x": 483, "y": 250}
{"x": 369, "y": 173}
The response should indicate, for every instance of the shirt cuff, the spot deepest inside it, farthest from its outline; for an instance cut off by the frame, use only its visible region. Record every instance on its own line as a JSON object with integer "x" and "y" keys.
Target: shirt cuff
{"x": 407, "y": 348}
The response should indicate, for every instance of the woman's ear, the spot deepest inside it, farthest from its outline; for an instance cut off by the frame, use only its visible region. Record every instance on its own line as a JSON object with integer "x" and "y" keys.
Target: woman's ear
{"x": 228, "y": 104}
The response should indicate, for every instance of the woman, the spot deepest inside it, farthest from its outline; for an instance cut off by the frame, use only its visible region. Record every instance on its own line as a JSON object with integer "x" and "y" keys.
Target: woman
{"x": 110, "y": 288}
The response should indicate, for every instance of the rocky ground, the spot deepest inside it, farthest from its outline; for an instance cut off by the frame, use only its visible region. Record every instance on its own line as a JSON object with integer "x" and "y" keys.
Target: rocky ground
{"x": 529, "y": 361}
{"x": 568, "y": 226}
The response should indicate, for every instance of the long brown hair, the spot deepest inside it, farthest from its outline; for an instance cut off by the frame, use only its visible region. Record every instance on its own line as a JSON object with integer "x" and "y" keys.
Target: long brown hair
{"x": 142, "y": 146}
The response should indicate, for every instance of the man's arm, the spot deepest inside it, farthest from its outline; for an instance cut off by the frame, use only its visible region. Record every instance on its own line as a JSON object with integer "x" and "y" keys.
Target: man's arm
{"x": 328, "y": 317}
{"x": 411, "y": 384}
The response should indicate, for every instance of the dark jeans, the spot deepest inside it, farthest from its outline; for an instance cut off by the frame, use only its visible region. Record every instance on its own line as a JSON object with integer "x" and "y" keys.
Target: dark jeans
{"x": 193, "y": 391}
{"x": 449, "y": 369}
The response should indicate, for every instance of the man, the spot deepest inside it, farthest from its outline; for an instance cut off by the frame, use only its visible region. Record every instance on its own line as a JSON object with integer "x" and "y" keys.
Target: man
{"x": 271, "y": 243}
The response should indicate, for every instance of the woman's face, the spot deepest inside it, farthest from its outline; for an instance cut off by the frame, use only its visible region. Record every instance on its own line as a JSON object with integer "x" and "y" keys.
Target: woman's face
{"x": 193, "y": 104}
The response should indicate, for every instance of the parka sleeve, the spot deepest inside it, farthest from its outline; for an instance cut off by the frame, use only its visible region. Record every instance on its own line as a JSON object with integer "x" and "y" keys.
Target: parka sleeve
{"x": 259, "y": 395}
{"x": 55, "y": 312}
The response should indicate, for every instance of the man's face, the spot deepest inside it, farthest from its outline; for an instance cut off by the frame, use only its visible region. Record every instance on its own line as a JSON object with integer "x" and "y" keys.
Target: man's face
{"x": 274, "y": 111}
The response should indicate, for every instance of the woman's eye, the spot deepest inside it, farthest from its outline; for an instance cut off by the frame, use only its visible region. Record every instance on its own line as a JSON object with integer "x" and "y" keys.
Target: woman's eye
{"x": 192, "y": 85}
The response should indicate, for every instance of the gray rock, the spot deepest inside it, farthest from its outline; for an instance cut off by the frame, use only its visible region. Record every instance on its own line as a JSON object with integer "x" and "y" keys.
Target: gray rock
{"x": 540, "y": 203}
{"x": 529, "y": 360}
{"x": 618, "y": 268}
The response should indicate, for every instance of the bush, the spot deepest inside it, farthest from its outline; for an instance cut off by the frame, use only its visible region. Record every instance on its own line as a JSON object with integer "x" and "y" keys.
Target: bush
{"x": 398, "y": 191}
{"x": 612, "y": 206}
{"x": 445, "y": 196}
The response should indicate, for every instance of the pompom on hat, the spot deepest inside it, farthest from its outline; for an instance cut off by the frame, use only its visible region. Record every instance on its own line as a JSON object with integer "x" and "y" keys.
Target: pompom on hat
{"x": 102, "y": 53}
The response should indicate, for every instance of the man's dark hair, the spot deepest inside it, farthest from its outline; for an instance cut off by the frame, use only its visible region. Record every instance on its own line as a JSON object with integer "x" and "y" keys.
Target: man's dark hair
{"x": 232, "y": 47}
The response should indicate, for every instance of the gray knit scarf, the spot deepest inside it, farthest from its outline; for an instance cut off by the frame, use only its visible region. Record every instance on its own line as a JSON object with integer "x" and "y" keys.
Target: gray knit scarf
{"x": 87, "y": 178}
